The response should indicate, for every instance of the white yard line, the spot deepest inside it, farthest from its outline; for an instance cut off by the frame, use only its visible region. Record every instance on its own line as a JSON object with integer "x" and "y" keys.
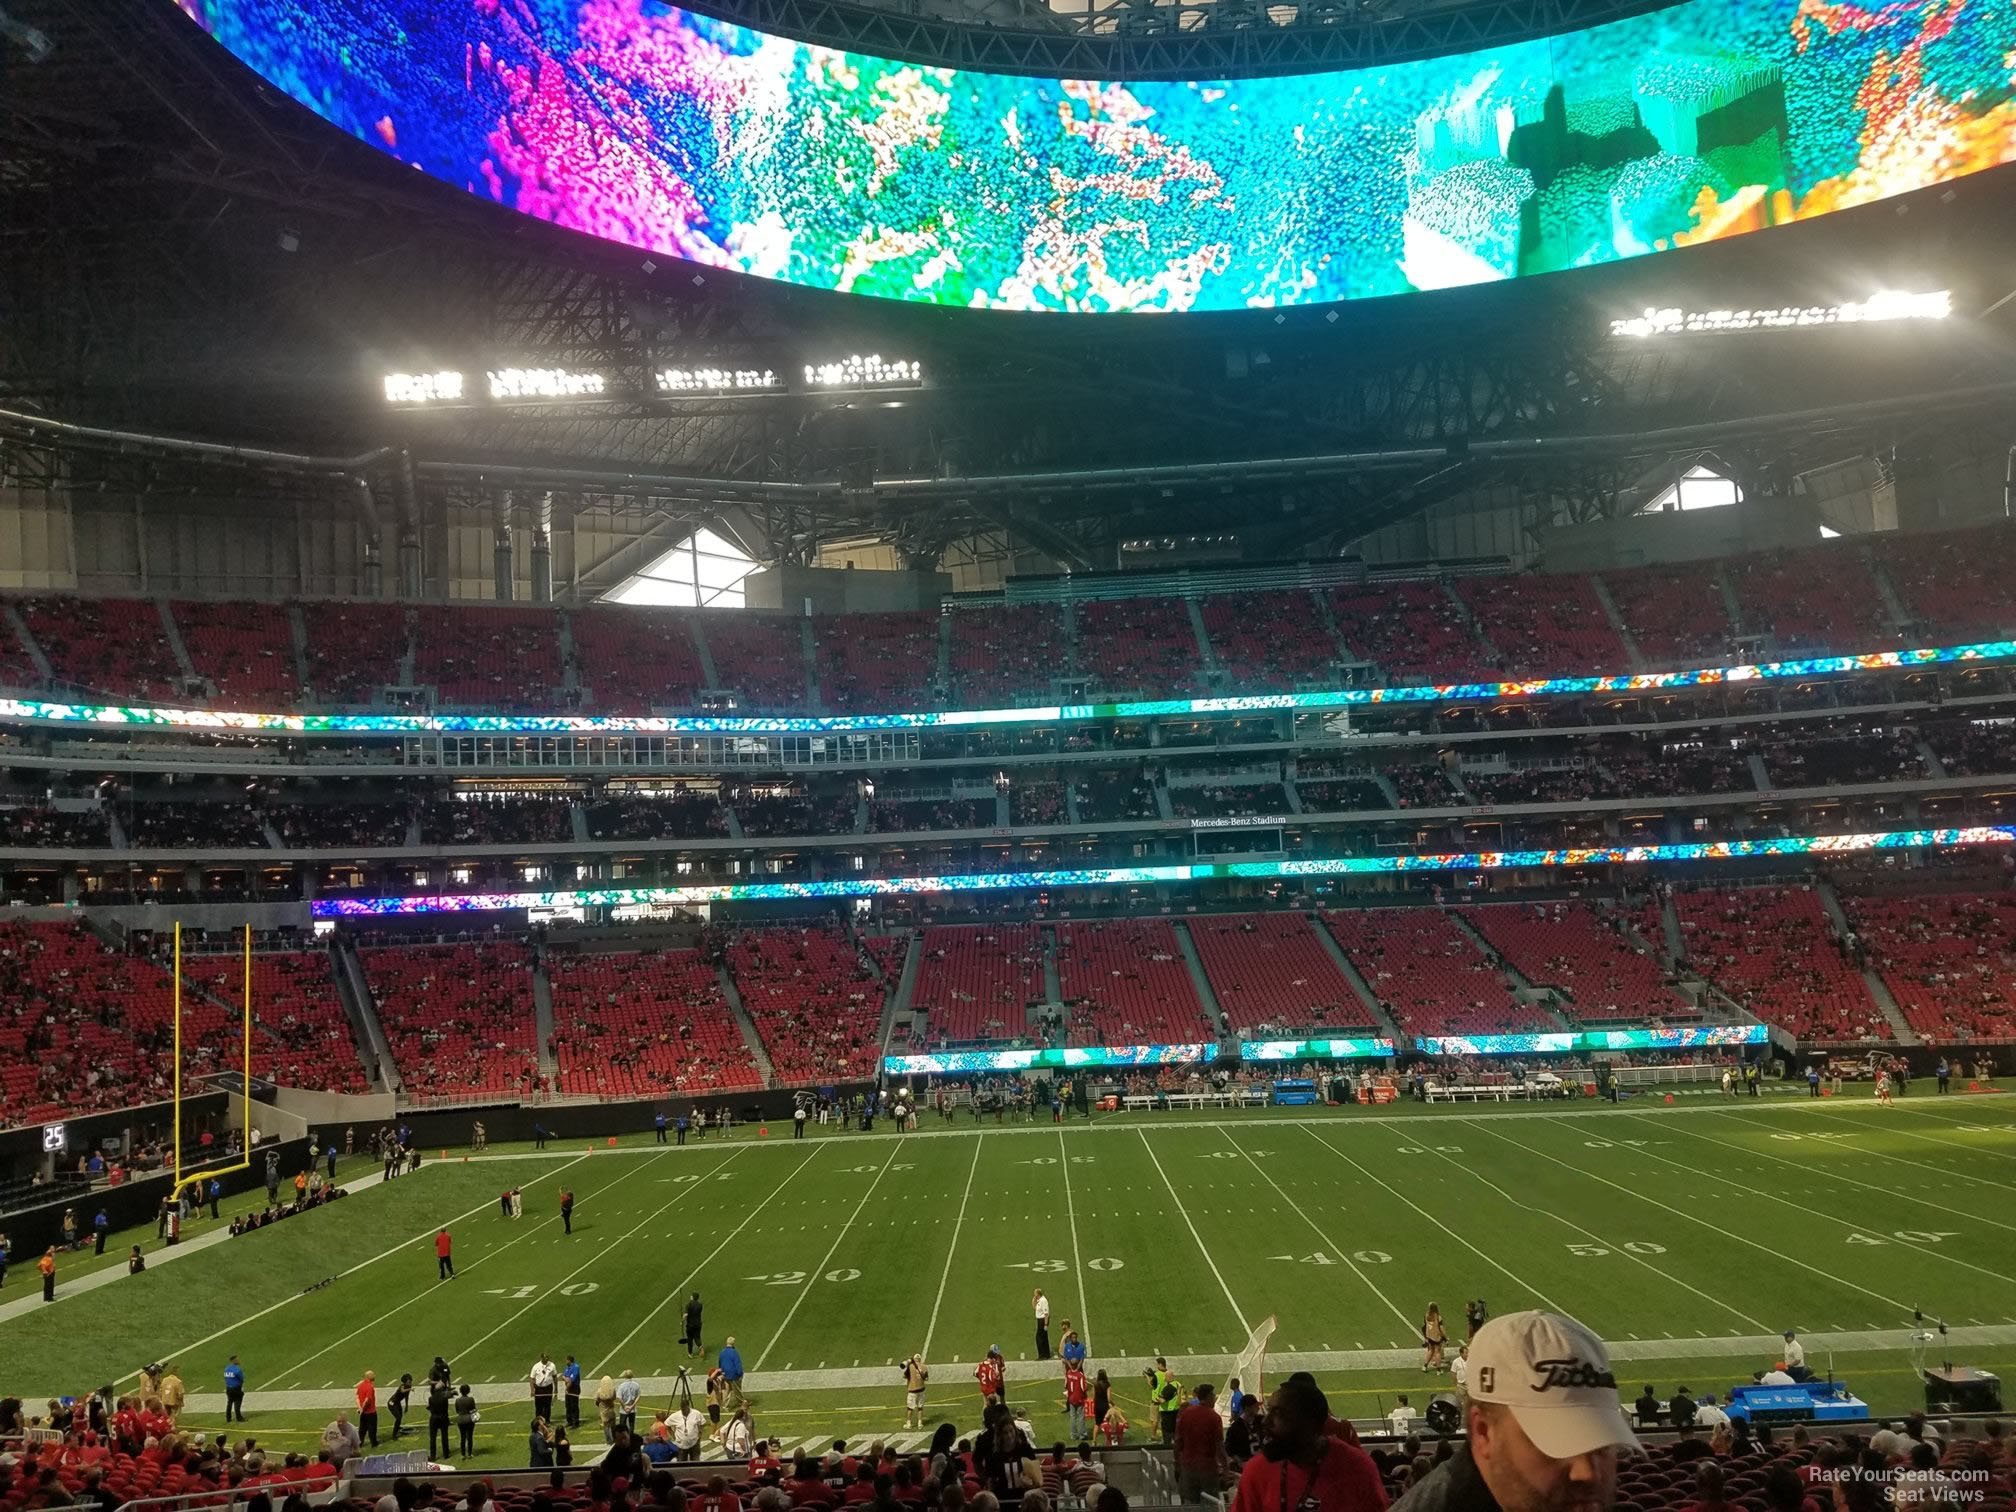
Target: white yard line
{"x": 386, "y": 1254}
{"x": 672, "y": 1294}
{"x": 957, "y": 1224}
{"x": 1329, "y": 1244}
{"x": 529, "y": 1230}
{"x": 1931, "y": 1251}
{"x": 1184, "y": 1213}
{"x": 813, "y": 1279}
{"x": 1591, "y": 1235}
{"x": 594, "y": 1259}
{"x": 1888, "y": 1159}
{"x": 1071, "y": 1216}
{"x": 1825, "y": 1275}
{"x": 1891, "y": 1158}
{"x": 1495, "y": 1264}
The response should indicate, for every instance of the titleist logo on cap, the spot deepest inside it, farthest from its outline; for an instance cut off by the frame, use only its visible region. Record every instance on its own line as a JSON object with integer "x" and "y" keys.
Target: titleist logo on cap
{"x": 1570, "y": 1373}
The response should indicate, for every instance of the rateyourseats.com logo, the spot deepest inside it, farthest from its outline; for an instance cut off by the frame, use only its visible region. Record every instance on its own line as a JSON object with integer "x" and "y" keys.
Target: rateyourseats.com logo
{"x": 1916, "y": 1488}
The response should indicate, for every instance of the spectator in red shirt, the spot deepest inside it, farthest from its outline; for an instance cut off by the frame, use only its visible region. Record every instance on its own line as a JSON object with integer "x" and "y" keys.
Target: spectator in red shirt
{"x": 1303, "y": 1468}
{"x": 1200, "y": 1447}
{"x": 806, "y": 1489}
{"x": 992, "y": 1375}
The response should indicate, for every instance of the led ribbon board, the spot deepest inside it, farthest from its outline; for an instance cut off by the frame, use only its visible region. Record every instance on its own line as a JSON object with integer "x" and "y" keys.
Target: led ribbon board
{"x": 1314, "y": 1049}
{"x": 1338, "y": 866}
{"x": 227, "y": 722}
{"x": 1719, "y": 1035}
{"x": 686, "y": 136}
{"x": 1090, "y": 1058}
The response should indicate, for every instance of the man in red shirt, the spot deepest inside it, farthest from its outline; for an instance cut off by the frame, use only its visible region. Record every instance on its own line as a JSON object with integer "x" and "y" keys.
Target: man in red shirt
{"x": 1200, "y": 1447}
{"x": 367, "y": 1409}
{"x": 444, "y": 1255}
{"x": 1303, "y": 1468}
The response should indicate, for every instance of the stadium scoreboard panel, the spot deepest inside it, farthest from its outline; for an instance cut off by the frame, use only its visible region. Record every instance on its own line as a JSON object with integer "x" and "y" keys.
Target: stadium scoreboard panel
{"x": 680, "y": 134}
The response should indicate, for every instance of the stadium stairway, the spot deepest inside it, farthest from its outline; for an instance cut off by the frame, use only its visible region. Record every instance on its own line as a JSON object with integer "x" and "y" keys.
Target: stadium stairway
{"x": 1731, "y": 605}
{"x": 1632, "y": 655}
{"x": 1207, "y": 657}
{"x": 297, "y": 633}
{"x": 1201, "y": 982}
{"x": 1900, "y": 616}
{"x": 1053, "y": 982}
{"x": 1878, "y": 988}
{"x": 27, "y": 642}
{"x": 542, "y": 1004}
{"x": 1759, "y": 773}
{"x": 1931, "y": 759}
{"x": 1463, "y": 612}
{"x": 354, "y": 993}
{"x": 1523, "y": 987}
{"x": 172, "y": 633}
{"x": 897, "y": 1001}
{"x": 740, "y": 1012}
{"x": 1366, "y": 996}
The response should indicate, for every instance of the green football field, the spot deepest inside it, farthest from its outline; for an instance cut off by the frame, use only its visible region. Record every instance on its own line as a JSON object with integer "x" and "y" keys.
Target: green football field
{"x": 1688, "y": 1235}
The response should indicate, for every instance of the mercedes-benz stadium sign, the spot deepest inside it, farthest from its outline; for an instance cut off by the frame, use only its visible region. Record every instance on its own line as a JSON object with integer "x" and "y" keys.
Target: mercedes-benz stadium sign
{"x": 735, "y": 149}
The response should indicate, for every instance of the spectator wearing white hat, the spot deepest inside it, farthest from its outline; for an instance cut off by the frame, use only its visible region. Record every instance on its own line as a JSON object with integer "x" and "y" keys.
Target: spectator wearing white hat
{"x": 1544, "y": 1424}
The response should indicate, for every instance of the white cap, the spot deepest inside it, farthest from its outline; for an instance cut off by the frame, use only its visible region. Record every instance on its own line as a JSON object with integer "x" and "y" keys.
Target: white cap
{"x": 1555, "y": 1376}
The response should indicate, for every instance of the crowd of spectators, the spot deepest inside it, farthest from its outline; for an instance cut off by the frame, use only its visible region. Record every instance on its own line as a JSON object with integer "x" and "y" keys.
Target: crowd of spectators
{"x": 1271, "y": 640}
{"x": 1774, "y": 952}
{"x": 684, "y": 814}
{"x": 1821, "y": 598}
{"x": 114, "y": 647}
{"x": 877, "y": 663}
{"x": 1124, "y": 982}
{"x": 244, "y": 650}
{"x": 1412, "y": 632}
{"x": 1607, "y": 977}
{"x": 1676, "y": 614}
{"x": 39, "y": 826}
{"x": 485, "y": 657}
{"x": 299, "y": 1024}
{"x": 338, "y": 825}
{"x": 1429, "y": 975}
{"x": 644, "y": 1023}
{"x": 1559, "y": 629}
{"x": 488, "y": 820}
{"x": 1948, "y": 960}
{"x": 458, "y": 1017}
{"x": 1031, "y": 803}
{"x": 975, "y": 983}
{"x": 635, "y": 660}
{"x": 1973, "y": 747}
{"x": 760, "y": 657}
{"x": 1562, "y": 784}
{"x": 815, "y": 1001}
{"x": 1246, "y": 800}
{"x": 1007, "y": 654}
{"x": 1143, "y": 644}
{"x": 896, "y": 815}
{"x": 1833, "y": 754}
{"x": 1109, "y": 797}
{"x": 166, "y": 825}
{"x": 353, "y": 649}
{"x": 1341, "y": 794}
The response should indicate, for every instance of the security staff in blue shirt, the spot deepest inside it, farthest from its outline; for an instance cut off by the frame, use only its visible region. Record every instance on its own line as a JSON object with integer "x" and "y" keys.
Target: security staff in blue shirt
{"x": 102, "y": 1227}
{"x": 658, "y": 1123}
{"x": 234, "y": 1390}
{"x": 570, "y": 1374}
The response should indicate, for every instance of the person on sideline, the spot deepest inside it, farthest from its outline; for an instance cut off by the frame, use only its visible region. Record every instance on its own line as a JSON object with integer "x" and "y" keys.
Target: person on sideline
{"x": 1544, "y": 1422}
{"x": 367, "y": 1409}
{"x": 1041, "y": 1305}
{"x": 234, "y": 1390}
{"x": 915, "y": 1374}
{"x": 1433, "y": 1337}
{"x": 444, "y": 1256}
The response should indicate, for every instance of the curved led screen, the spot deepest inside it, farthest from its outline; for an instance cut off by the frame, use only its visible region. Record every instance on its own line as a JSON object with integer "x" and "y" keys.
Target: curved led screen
{"x": 687, "y": 136}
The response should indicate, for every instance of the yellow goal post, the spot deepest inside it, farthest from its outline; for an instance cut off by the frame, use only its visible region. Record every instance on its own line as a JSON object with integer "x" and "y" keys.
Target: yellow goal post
{"x": 184, "y": 1175}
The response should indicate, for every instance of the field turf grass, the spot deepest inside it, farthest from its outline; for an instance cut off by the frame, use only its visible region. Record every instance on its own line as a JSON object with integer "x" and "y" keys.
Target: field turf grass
{"x": 1688, "y": 1235}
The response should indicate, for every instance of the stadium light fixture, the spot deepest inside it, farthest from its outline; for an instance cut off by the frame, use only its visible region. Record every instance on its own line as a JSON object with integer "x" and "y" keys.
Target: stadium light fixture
{"x": 872, "y": 371}
{"x": 712, "y": 380}
{"x": 545, "y": 383}
{"x": 1881, "y": 307}
{"x": 423, "y": 388}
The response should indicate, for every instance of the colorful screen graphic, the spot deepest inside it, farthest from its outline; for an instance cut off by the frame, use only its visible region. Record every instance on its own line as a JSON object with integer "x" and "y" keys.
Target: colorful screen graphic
{"x": 1097, "y": 876}
{"x": 1595, "y": 1039}
{"x": 683, "y": 135}
{"x": 36, "y": 711}
{"x": 1314, "y": 1049}
{"x": 1092, "y": 1058}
